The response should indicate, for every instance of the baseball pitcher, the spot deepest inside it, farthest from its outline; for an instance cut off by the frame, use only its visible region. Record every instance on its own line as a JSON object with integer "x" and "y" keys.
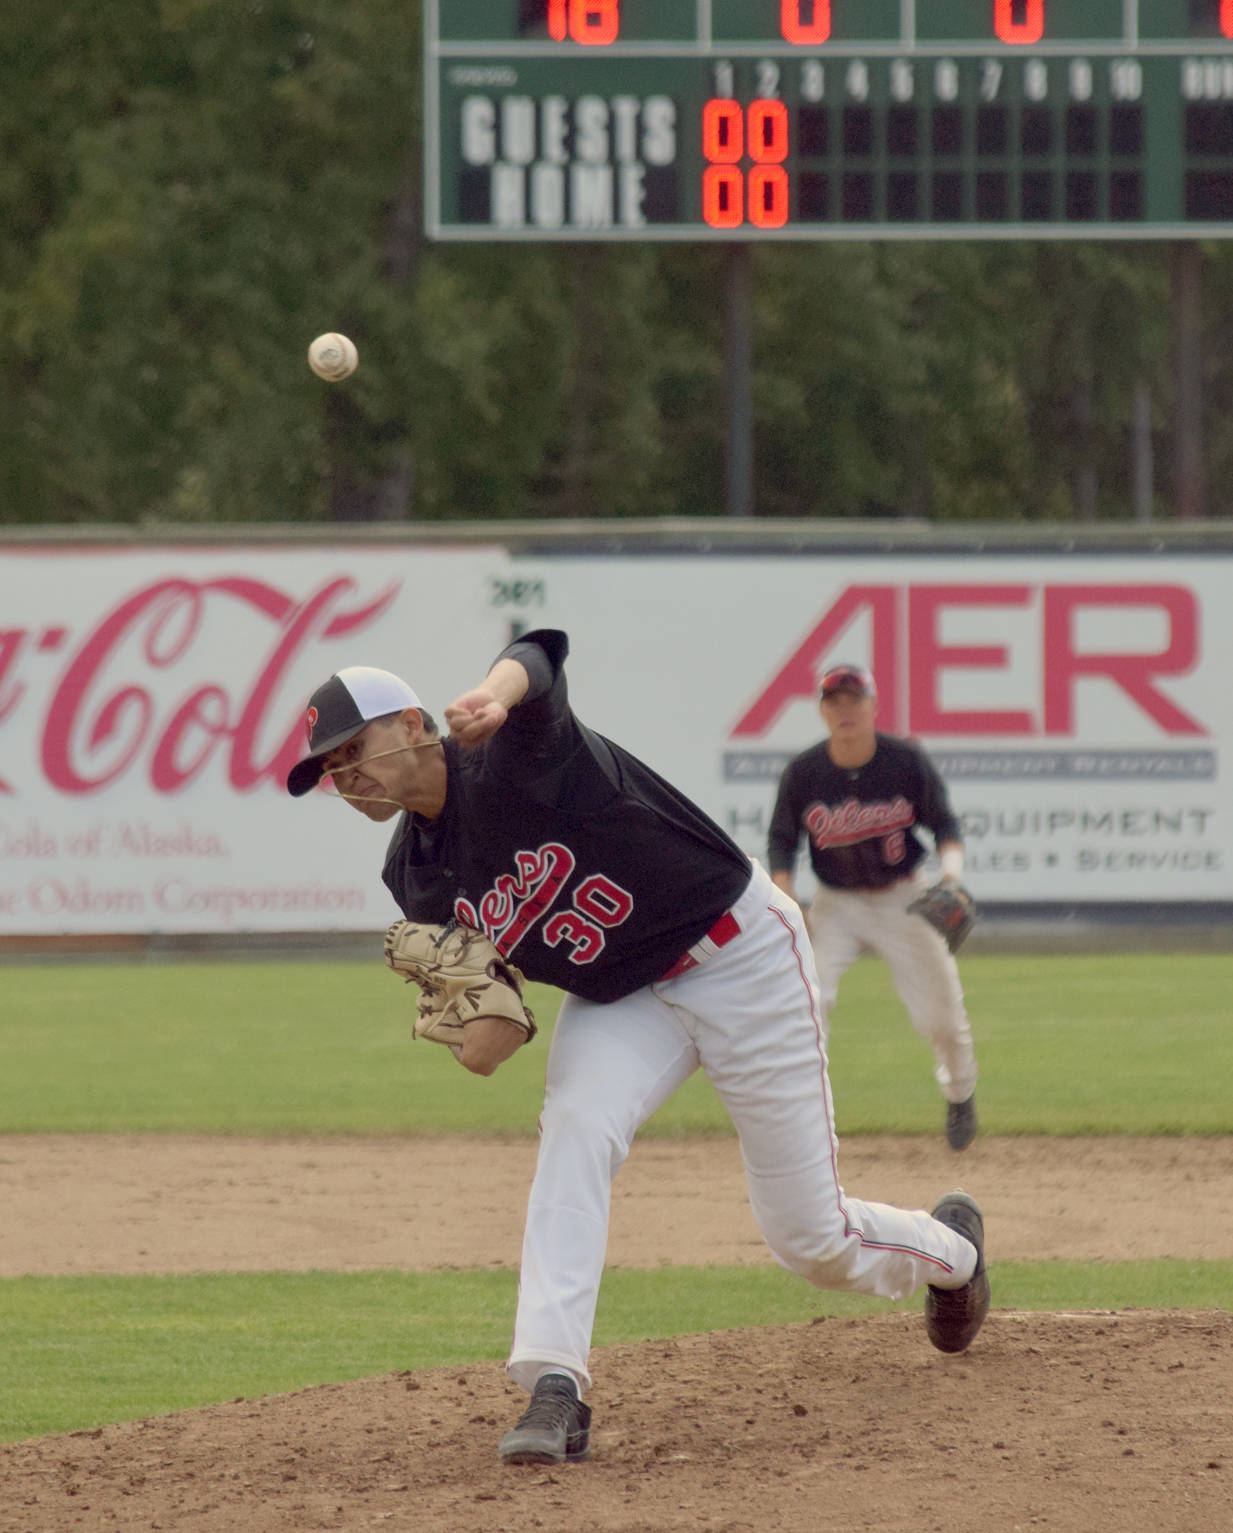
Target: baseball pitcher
{"x": 577, "y": 864}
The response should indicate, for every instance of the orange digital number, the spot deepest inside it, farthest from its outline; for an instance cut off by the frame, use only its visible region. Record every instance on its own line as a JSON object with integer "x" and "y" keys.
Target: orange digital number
{"x": 584, "y": 21}
{"x": 723, "y": 131}
{"x": 723, "y": 196}
{"x": 768, "y": 132}
{"x": 768, "y": 196}
{"x": 796, "y": 29}
{"x": 1019, "y": 21}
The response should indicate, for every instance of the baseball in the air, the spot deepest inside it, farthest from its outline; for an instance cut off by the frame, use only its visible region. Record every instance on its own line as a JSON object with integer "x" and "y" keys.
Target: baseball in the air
{"x": 333, "y": 357}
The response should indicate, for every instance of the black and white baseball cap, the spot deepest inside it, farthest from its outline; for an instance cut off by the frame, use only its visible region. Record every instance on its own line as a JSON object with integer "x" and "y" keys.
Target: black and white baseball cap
{"x": 844, "y": 677}
{"x": 340, "y": 708}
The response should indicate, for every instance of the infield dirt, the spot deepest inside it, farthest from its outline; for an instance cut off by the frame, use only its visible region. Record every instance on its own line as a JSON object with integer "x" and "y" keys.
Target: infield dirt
{"x": 1056, "y": 1422}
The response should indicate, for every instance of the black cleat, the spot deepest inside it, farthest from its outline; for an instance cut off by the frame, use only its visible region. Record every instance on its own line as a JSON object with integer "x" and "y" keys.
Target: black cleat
{"x": 961, "y": 1123}
{"x": 555, "y": 1426}
{"x": 954, "y": 1315}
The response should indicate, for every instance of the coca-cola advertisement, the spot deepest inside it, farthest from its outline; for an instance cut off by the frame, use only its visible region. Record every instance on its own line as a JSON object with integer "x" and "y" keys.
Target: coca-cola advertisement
{"x": 152, "y": 701}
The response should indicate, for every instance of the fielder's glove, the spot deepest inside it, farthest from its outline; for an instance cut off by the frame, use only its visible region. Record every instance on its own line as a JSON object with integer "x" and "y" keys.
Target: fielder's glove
{"x": 949, "y": 909}
{"x": 461, "y": 976}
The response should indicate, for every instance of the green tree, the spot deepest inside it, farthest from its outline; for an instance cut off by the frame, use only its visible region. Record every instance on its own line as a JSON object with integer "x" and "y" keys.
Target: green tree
{"x": 942, "y": 380}
{"x": 191, "y": 190}
{"x": 220, "y": 201}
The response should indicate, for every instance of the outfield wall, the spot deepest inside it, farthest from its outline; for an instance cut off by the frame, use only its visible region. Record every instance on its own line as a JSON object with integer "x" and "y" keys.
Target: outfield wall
{"x": 1074, "y": 690}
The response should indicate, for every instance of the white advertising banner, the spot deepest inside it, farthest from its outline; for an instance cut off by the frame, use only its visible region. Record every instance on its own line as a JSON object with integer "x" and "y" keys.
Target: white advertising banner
{"x": 1078, "y": 706}
{"x": 152, "y": 701}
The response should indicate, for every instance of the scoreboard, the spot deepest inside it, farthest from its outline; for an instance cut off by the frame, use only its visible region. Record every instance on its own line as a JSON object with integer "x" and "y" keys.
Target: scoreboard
{"x": 828, "y": 119}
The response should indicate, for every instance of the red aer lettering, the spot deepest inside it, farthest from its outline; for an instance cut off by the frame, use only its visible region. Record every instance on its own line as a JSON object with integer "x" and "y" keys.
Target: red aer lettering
{"x": 1133, "y": 673}
{"x": 798, "y": 677}
{"x": 926, "y": 715}
{"x": 906, "y": 624}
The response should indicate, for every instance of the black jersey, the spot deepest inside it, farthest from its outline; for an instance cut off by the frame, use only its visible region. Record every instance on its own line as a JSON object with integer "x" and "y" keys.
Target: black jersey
{"x": 859, "y": 821}
{"x": 587, "y": 870}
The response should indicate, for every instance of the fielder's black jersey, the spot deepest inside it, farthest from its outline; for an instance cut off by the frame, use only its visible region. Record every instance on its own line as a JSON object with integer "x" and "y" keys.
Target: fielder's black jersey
{"x": 584, "y": 867}
{"x": 859, "y": 820}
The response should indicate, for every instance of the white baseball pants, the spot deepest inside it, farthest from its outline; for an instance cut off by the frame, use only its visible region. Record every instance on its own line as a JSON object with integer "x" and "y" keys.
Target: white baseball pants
{"x": 749, "y": 1015}
{"x": 847, "y": 921}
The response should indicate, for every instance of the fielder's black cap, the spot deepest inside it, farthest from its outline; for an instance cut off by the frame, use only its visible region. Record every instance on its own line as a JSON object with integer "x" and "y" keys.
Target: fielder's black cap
{"x": 340, "y": 708}
{"x": 843, "y": 677}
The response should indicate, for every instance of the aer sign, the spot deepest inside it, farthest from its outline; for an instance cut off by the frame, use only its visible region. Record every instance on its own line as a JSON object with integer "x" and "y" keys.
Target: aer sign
{"x": 915, "y": 662}
{"x": 151, "y": 700}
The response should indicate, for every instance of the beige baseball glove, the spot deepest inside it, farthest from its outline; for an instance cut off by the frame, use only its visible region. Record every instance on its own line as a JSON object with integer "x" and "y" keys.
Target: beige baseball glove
{"x": 461, "y": 976}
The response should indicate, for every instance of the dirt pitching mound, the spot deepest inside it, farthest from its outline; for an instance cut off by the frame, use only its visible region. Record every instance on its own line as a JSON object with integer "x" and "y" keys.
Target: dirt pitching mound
{"x": 1055, "y": 1422}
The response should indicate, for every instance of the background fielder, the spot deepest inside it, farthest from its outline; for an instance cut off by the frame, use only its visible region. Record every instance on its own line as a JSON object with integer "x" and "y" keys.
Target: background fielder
{"x": 857, "y": 799}
{"x": 676, "y": 952}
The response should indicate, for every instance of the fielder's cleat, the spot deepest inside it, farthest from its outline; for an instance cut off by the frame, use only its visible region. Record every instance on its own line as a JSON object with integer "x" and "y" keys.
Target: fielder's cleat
{"x": 954, "y": 1315}
{"x": 961, "y": 1123}
{"x": 555, "y": 1426}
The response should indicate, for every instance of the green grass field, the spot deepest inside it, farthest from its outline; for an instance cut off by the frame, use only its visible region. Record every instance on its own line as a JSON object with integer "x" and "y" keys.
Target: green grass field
{"x": 1076, "y": 1045}
{"x": 1125, "y": 1044}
